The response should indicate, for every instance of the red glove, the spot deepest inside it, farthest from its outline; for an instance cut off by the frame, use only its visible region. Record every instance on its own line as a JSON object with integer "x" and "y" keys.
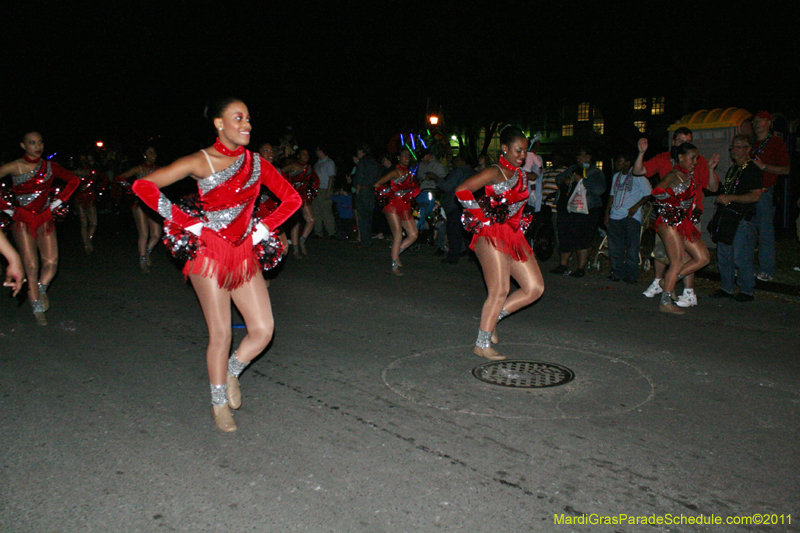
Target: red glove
{"x": 155, "y": 200}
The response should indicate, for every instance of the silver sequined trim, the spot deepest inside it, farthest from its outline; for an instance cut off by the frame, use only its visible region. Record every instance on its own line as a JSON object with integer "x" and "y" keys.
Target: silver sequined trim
{"x": 514, "y": 208}
{"x": 38, "y": 306}
{"x": 500, "y": 188}
{"x": 219, "y": 220}
{"x": 22, "y": 178}
{"x": 235, "y": 366}
{"x": 256, "y": 173}
{"x": 25, "y": 199}
{"x": 661, "y": 196}
{"x": 219, "y": 394}
{"x": 218, "y": 178}
{"x": 686, "y": 204}
{"x": 681, "y": 187}
{"x": 470, "y": 204}
{"x": 484, "y": 339}
{"x": 164, "y": 207}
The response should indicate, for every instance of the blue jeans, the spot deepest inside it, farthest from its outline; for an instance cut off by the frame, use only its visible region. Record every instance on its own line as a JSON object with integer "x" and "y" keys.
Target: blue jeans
{"x": 623, "y": 247}
{"x": 765, "y": 222}
{"x": 425, "y": 209}
{"x": 738, "y": 256}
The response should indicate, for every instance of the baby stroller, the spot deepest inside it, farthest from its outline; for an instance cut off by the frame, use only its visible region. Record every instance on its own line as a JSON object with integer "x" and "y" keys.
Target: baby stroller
{"x": 541, "y": 234}
{"x": 602, "y": 259}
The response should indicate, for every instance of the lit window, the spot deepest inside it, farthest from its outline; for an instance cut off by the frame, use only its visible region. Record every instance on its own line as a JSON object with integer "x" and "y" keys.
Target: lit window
{"x": 548, "y": 164}
{"x": 598, "y": 126}
{"x": 568, "y": 130}
{"x": 658, "y": 105}
{"x": 639, "y": 104}
{"x": 583, "y": 111}
{"x": 641, "y": 125}
{"x": 599, "y": 165}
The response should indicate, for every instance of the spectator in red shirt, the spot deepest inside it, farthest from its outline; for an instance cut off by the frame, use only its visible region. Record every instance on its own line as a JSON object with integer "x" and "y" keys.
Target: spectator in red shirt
{"x": 770, "y": 155}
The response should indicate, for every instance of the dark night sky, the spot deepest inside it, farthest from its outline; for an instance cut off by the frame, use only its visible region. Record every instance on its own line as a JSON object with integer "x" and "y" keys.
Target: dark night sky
{"x": 124, "y": 72}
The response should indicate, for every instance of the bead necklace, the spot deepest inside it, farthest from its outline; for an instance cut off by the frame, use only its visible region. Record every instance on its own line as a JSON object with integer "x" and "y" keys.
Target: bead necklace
{"x": 626, "y": 187}
{"x": 755, "y": 151}
{"x": 732, "y": 178}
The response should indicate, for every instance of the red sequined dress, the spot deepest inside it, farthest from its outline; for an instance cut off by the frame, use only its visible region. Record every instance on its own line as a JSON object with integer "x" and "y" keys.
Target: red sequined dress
{"x": 89, "y": 189}
{"x": 34, "y": 192}
{"x": 305, "y": 181}
{"x": 676, "y": 207}
{"x": 227, "y": 200}
{"x": 498, "y": 216}
{"x": 403, "y": 190}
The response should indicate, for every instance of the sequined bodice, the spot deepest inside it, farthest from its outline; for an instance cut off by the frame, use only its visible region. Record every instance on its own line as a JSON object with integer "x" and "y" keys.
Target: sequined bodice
{"x": 228, "y": 197}
{"x": 682, "y": 194}
{"x": 514, "y": 191}
{"x": 31, "y": 189}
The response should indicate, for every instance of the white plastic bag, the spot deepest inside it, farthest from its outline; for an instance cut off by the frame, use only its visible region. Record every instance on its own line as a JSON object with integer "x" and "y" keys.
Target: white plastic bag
{"x": 577, "y": 202}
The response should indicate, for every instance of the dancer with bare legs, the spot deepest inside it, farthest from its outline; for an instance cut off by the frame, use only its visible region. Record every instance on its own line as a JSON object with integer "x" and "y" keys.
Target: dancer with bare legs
{"x": 499, "y": 240}
{"x": 225, "y": 266}
{"x": 675, "y": 200}
{"x": 34, "y": 229}
{"x": 404, "y": 188}
{"x": 148, "y": 223}
{"x": 305, "y": 181}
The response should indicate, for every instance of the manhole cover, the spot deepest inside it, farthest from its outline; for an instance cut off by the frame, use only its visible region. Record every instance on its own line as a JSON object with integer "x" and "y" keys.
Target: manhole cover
{"x": 523, "y": 374}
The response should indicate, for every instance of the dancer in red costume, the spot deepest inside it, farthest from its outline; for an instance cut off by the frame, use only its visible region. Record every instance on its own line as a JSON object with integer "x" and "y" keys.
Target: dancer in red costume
{"x": 403, "y": 189}
{"x": 303, "y": 178}
{"x": 148, "y": 223}
{"x": 86, "y": 201}
{"x": 499, "y": 242}
{"x": 34, "y": 230}
{"x": 674, "y": 199}
{"x": 225, "y": 267}
{"x": 268, "y": 203}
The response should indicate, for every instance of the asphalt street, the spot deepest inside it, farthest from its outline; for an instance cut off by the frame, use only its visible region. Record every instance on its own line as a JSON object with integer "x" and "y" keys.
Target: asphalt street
{"x": 363, "y": 415}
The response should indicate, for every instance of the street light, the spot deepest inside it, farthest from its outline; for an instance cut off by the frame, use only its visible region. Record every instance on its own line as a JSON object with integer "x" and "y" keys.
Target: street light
{"x": 99, "y": 144}
{"x": 434, "y": 120}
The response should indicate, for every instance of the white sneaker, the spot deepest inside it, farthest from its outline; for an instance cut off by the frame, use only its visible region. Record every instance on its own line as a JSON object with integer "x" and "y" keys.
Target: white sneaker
{"x": 653, "y": 289}
{"x": 687, "y": 299}
{"x": 763, "y": 276}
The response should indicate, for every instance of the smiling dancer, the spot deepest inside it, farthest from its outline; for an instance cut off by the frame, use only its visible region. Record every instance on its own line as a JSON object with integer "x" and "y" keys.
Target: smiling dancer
{"x": 499, "y": 240}
{"x": 35, "y": 197}
{"x": 675, "y": 201}
{"x": 226, "y": 267}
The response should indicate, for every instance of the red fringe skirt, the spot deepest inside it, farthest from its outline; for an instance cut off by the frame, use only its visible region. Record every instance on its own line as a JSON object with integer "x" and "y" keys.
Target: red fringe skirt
{"x": 685, "y": 228}
{"x": 399, "y": 207}
{"x": 505, "y": 240}
{"x": 231, "y": 265}
{"x": 32, "y": 221}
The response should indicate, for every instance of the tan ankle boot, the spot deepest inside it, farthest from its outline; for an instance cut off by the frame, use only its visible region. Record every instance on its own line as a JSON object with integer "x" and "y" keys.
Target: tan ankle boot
{"x": 234, "y": 393}
{"x": 223, "y": 418}
{"x": 488, "y": 353}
